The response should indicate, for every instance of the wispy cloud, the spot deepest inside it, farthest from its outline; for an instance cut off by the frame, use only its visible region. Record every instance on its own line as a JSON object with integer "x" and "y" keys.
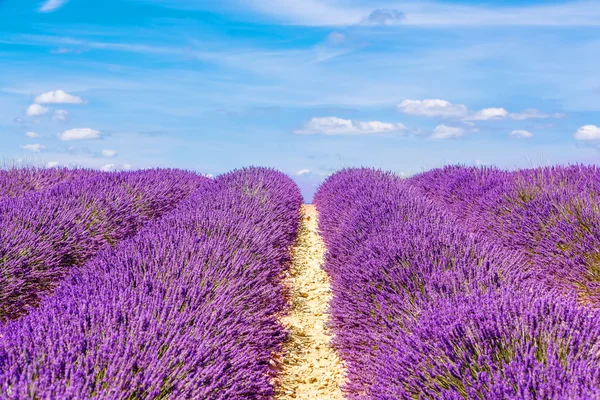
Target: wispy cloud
{"x": 384, "y": 16}
{"x": 340, "y": 126}
{"x": 427, "y": 13}
{"x": 32, "y": 134}
{"x": 52, "y": 5}
{"x": 109, "y": 153}
{"x": 35, "y": 148}
{"x": 60, "y": 115}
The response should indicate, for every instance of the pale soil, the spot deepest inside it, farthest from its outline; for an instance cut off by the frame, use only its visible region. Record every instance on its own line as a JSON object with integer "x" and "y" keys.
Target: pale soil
{"x": 310, "y": 368}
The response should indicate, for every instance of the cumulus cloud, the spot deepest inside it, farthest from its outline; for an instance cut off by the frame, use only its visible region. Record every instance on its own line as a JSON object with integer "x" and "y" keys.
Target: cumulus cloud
{"x": 442, "y": 132}
{"x": 433, "y": 108}
{"x": 32, "y": 134}
{"x": 58, "y": 97}
{"x": 445, "y": 109}
{"x": 520, "y": 134}
{"x": 52, "y": 5}
{"x": 35, "y": 110}
{"x": 115, "y": 167}
{"x": 488, "y": 114}
{"x": 60, "y": 115}
{"x": 339, "y": 126}
{"x": 109, "y": 153}
{"x": 52, "y": 164}
{"x": 108, "y": 167}
{"x": 79, "y": 134}
{"x": 588, "y": 132}
{"x": 384, "y": 16}
{"x": 302, "y": 172}
{"x": 35, "y": 148}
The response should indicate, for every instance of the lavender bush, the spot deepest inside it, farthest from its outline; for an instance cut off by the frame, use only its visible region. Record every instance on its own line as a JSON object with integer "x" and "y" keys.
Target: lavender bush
{"x": 187, "y": 308}
{"x": 551, "y": 215}
{"x": 44, "y": 235}
{"x": 16, "y": 182}
{"x": 425, "y": 308}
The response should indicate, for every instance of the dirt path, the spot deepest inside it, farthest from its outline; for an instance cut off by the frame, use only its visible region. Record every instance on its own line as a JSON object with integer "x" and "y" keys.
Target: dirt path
{"x": 311, "y": 369}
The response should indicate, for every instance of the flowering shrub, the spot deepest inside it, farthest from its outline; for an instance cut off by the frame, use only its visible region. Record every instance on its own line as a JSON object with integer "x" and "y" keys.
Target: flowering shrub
{"x": 43, "y": 235}
{"x": 551, "y": 215}
{"x": 187, "y": 308}
{"x": 16, "y": 182}
{"x": 425, "y": 308}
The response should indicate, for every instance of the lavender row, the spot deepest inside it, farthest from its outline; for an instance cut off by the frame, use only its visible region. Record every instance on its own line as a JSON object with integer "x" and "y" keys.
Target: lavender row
{"x": 185, "y": 309}
{"x": 44, "y": 235}
{"x": 423, "y": 308}
{"x": 550, "y": 215}
{"x": 16, "y": 182}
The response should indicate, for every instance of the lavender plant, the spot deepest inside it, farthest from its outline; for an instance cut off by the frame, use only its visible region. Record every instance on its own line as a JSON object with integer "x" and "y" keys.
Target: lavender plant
{"x": 44, "y": 235}
{"x": 187, "y": 308}
{"x": 16, "y": 182}
{"x": 425, "y": 308}
{"x": 551, "y": 215}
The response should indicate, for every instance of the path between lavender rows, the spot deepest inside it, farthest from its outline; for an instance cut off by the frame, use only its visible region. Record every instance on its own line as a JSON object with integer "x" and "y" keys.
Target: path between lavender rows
{"x": 311, "y": 368}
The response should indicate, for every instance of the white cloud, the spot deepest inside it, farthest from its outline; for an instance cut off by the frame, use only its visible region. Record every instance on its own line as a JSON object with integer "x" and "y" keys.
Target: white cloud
{"x": 51, "y": 5}
{"x": 35, "y": 109}
{"x": 109, "y": 153}
{"x": 32, "y": 134}
{"x": 442, "y": 132}
{"x": 426, "y": 13}
{"x": 60, "y": 115}
{"x": 339, "y": 126}
{"x": 433, "y": 108}
{"x": 58, "y": 97}
{"x": 521, "y": 134}
{"x": 36, "y": 148}
{"x": 115, "y": 167}
{"x": 445, "y": 109}
{"x": 79, "y": 134}
{"x": 108, "y": 167}
{"x": 302, "y": 172}
{"x": 52, "y": 164}
{"x": 588, "y": 132}
{"x": 488, "y": 114}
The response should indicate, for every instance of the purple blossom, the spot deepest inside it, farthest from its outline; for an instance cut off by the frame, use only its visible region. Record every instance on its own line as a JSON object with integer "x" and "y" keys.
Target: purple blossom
{"x": 429, "y": 304}
{"x": 45, "y": 234}
{"x": 186, "y": 308}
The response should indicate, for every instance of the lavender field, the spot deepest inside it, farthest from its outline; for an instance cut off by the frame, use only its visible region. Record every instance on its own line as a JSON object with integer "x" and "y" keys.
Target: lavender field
{"x": 457, "y": 283}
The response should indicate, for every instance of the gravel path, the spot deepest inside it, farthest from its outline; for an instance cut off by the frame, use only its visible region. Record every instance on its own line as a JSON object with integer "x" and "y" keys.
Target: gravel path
{"x": 311, "y": 369}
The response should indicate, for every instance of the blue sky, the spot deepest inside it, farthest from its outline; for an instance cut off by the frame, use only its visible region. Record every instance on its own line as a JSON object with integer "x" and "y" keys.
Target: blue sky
{"x": 305, "y": 86}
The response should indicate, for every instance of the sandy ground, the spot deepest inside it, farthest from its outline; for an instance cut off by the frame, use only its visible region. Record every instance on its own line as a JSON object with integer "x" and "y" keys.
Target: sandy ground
{"x": 311, "y": 369}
